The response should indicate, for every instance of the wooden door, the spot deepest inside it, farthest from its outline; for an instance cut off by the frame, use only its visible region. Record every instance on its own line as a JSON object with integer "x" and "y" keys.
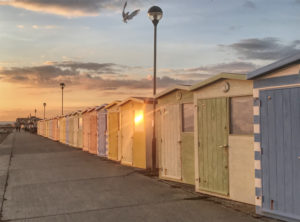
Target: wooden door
{"x": 93, "y": 133}
{"x": 102, "y": 133}
{"x": 126, "y": 136}
{"x": 170, "y": 142}
{"x": 75, "y": 131}
{"x": 280, "y": 143}
{"x": 213, "y": 131}
{"x": 67, "y": 130}
{"x": 113, "y": 127}
{"x": 86, "y": 132}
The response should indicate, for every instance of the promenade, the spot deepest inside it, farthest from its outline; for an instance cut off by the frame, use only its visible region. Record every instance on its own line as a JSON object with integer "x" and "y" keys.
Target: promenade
{"x": 43, "y": 180}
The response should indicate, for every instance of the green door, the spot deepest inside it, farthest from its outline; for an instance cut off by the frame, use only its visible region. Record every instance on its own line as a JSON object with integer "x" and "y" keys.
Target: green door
{"x": 213, "y": 131}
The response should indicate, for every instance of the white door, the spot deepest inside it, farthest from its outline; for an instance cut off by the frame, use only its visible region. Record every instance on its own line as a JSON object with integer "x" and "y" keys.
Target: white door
{"x": 75, "y": 133}
{"x": 170, "y": 142}
{"x": 126, "y": 136}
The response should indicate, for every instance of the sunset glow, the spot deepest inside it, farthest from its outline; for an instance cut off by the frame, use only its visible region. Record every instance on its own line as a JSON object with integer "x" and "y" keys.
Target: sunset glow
{"x": 86, "y": 45}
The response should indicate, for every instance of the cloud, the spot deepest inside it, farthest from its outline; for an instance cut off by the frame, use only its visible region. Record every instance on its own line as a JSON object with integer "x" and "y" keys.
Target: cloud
{"x": 250, "y": 4}
{"x": 111, "y": 76}
{"x": 70, "y": 8}
{"x": 264, "y": 49}
{"x": 203, "y": 72}
{"x": 102, "y": 76}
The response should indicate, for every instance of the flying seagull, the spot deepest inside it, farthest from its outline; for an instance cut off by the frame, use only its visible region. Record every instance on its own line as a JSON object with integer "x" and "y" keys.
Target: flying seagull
{"x": 127, "y": 16}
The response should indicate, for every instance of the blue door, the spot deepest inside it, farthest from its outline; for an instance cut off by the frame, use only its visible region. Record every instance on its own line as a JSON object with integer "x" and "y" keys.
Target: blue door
{"x": 280, "y": 142}
{"x": 102, "y": 133}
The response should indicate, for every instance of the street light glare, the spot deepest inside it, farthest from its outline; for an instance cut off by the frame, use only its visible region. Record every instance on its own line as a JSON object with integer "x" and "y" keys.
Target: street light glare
{"x": 138, "y": 118}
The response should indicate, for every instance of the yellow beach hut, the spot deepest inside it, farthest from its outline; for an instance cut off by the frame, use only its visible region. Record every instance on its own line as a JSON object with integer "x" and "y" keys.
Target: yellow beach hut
{"x": 136, "y": 132}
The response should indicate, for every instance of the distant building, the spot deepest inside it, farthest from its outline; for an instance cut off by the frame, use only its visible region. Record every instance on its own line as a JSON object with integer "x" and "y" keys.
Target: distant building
{"x": 29, "y": 124}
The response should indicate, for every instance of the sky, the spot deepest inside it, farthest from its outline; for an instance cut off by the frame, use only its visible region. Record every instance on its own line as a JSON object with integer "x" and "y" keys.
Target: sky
{"x": 86, "y": 45}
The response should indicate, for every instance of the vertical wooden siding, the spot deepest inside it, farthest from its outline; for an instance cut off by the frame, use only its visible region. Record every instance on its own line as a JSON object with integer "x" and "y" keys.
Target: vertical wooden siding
{"x": 113, "y": 127}
{"x": 126, "y": 136}
{"x": 93, "y": 133}
{"x": 102, "y": 133}
{"x": 280, "y": 127}
{"x": 213, "y": 131}
{"x": 170, "y": 142}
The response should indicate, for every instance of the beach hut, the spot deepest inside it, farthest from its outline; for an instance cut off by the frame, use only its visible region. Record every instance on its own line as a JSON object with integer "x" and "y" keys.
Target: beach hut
{"x": 136, "y": 132}
{"x": 67, "y": 128}
{"x": 71, "y": 129}
{"x": 50, "y": 128}
{"x": 175, "y": 134}
{"x": 86, "y": 129}
{"x": 223, "y": 138}
{"x": 46, "y": 128}
{"x": 77, "y": 133}
{"x": 39, "y": 127}
{"x": 276, "y": 142}
{"x": 55, "y": 129}
{"x": 62, "y": 129}
{"x": 101, "y": 130}
{"x": 93, "y": 136}
{"x": 113, "y": 131}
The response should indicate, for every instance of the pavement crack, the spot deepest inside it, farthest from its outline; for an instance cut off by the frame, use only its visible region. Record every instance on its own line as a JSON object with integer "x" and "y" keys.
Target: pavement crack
{"x": 82, "y": 179}
{"x": 7, "y": 176}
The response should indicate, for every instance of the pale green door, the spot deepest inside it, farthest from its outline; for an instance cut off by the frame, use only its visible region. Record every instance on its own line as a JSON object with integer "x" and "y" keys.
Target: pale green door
{"x": 213, "y": 131}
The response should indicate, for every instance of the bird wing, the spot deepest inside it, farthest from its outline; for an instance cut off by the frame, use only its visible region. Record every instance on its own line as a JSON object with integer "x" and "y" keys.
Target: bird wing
{"x": 123, "y": 13}
{"x": 134, "y": 13}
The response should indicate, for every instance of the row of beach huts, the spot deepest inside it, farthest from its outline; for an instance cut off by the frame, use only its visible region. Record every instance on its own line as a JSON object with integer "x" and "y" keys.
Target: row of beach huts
{"x": 234, "y": 136}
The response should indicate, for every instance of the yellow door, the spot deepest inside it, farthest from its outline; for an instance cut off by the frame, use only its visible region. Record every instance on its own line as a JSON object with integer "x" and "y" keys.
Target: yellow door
{"x": 139, "y": 140}
{"x": 113, "y": 127}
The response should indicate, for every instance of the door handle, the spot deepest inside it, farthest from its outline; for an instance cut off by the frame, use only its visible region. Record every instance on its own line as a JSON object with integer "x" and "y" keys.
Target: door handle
{"x": 299, "y": 157}
{"x": 223, "y": 146}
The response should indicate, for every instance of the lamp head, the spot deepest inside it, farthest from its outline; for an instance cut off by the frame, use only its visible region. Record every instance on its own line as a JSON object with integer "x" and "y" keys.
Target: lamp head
{"x": 62, "y": 85}
{"x": 155, "y": 14}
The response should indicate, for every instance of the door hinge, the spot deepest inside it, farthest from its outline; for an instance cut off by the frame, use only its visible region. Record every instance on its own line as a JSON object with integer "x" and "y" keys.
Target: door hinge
{"x": 259, "y": 103}
{"x": 263, "y": 199}
{"x": 261, "y": 151}
{"x": 198, "y": 144}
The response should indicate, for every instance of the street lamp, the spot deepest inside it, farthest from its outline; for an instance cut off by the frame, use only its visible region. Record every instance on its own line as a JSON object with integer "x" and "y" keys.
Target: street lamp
{"x": 44, "y": 104}
{"x": 62, "y": 86}
{"x": 155, "y": 14}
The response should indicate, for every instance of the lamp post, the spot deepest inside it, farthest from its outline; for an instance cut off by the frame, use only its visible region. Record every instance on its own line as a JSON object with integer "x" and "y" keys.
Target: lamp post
{"x": 155, "y": 14}
{"x": 44, "y": 104}
{"x": 62, "y": 86}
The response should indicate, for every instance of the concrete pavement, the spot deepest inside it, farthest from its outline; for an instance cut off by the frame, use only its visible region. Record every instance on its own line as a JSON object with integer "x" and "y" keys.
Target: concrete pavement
{"x": 43, "y": 180}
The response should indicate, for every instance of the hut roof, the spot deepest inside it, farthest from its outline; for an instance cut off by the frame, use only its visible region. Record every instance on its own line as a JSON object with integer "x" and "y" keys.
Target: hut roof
{"x": 171, "y": 89}
{"x": 137, "y": 99}
{"x": 116, "y": 102}
{"x": 216, "y": 78}
{"x": 101, "y": 107}
{"x": 273, "y": 66}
